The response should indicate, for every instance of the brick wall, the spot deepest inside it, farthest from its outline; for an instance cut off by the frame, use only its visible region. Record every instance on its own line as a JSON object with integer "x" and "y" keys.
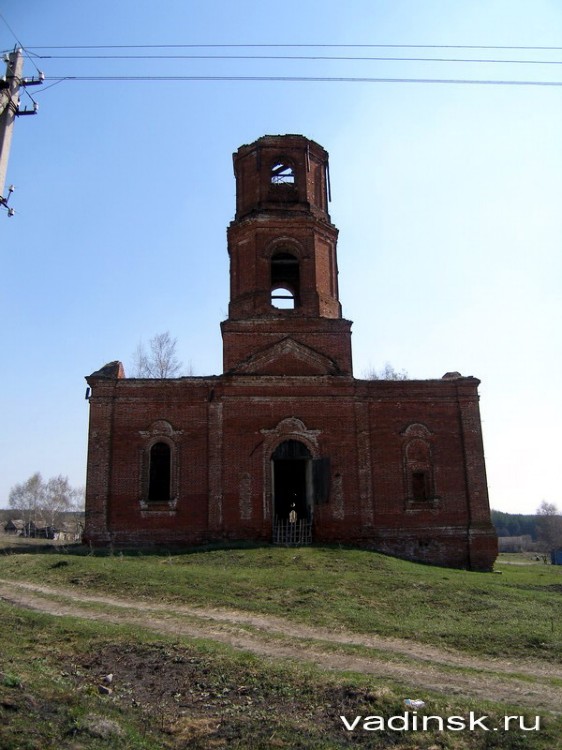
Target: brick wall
{"x": 225, "y": 429}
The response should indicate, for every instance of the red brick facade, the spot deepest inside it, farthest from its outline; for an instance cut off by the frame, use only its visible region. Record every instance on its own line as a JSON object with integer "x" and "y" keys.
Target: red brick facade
{"x": 286, "y": 441}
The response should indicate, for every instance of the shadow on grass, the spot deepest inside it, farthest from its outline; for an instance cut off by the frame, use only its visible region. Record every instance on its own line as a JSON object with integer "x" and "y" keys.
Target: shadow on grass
{"x": 41, "y": 547}
{"x": 77, "y": 549}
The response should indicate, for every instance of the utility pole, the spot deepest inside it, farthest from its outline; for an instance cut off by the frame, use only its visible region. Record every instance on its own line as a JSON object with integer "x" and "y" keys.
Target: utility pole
{"x": 9, "y": 110}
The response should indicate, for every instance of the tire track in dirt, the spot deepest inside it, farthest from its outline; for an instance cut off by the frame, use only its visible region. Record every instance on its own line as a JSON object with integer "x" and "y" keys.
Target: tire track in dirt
{"x": 424, "y": 667}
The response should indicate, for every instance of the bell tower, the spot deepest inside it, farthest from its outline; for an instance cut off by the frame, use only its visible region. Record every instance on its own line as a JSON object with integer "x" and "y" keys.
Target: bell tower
{"x": 284, "y": 313}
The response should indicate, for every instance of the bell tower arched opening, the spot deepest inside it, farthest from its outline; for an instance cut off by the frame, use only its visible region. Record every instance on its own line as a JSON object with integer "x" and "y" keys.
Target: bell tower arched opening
{"x": 282, "y": 173}
{"x": 285, "y": 281}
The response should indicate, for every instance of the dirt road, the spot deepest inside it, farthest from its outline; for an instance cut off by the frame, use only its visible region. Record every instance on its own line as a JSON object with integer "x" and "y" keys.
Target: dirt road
{"x": 528, "y": 684}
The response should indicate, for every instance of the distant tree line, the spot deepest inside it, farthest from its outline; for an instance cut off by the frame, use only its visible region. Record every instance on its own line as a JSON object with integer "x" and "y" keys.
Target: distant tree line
{"x": 544, "y": 527}
{"x": 514, "y": 524}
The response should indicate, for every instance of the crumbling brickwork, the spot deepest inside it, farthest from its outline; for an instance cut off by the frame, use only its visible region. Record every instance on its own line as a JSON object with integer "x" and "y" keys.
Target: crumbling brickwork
{"x": 286, "y": 435}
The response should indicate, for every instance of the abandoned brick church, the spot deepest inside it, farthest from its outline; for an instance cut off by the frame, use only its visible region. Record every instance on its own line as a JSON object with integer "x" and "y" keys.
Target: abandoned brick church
{"x": 286, "y": 446}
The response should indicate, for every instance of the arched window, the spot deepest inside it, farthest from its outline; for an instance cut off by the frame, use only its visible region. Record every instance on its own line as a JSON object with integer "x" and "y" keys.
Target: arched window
{"x": 285, "y": 281}
{"x": 420, "y": 486}
{"x": 419, "y": 470}
{"x": 159, "y": 473}
{"x": 282, "y": 174}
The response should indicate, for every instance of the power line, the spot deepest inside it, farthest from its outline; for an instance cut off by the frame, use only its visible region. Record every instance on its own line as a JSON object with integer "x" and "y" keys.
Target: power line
{"x": 336, "y": 58}
{"x": 296, "y": 57}
{"x": 294, "y": 46}
{"x": 13, "y": 33}
{"x": 329, "y": 79}
{"x": 33, "y": 52}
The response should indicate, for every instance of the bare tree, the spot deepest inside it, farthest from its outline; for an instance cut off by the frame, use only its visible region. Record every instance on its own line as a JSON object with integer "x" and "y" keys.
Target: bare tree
{"x": 44, "y": 502}
{"x": 549, "y": 526}
{"x": 78, "y": 499}
{"x": 27, "y": 497}
{"x": 386, "y": 373}
{"x": 59, "y": 497}
{"x": 159, "y": 360}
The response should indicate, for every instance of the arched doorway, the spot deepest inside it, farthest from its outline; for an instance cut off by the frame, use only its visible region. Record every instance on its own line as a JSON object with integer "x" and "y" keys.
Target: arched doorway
{"x": 292, "y": 493}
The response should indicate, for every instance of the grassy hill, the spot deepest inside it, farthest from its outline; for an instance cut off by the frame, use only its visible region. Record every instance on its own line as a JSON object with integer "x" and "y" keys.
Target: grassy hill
{"x": 176, "y": 692}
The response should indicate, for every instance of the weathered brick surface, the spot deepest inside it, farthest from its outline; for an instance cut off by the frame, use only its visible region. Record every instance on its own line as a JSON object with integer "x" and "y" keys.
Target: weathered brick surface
{"x": 230, "y": 427}
{"x": 288, "y": 378}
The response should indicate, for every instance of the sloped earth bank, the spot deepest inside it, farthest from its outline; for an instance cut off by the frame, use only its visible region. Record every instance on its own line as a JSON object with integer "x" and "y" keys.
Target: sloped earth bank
{"x": 529, "y": 684}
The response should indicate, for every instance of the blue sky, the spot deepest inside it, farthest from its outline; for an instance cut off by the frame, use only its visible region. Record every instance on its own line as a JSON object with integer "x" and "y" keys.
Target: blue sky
{"x": 447, "y": 198}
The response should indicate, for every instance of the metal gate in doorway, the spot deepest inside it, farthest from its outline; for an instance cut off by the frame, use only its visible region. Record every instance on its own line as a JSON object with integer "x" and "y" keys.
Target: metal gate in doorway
{"x": 292, "y": 533}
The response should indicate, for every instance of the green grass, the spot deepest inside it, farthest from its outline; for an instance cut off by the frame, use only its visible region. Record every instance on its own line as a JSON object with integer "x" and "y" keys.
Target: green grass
{"x": 515, "y": 614}
{"x": 170, "y": 693}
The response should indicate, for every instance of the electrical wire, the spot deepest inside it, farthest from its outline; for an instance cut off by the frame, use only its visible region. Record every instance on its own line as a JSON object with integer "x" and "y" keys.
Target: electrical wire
{"x": 329, "y": 79}
{"x": 323, "y": 58}
{"x": 294, "y": 46}
{"x": 13, "y": 33}
{"x": 32, "y": 52}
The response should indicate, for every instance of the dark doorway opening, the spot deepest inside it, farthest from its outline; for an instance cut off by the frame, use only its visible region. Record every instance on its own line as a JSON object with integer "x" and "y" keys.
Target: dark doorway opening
{"x": 291, "y": 481}
{"x": 290, "y": 489}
